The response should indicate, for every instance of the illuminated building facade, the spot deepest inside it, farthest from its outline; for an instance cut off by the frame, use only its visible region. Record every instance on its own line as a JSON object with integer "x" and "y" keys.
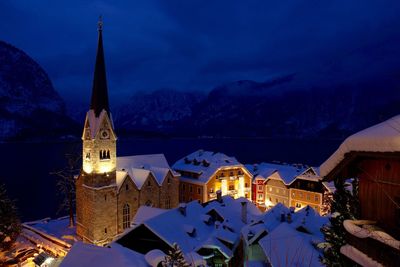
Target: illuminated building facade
{"x": 110, "y": 189}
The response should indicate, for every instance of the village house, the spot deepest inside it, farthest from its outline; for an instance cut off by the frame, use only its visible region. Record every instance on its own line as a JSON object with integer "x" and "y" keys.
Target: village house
{"x": 110, "y": 189}
{"x": 203, "y": 173}
{"x": 282, "y": 237}
{"x": 292, "y": 185}
{"x": 372, "y": 156}
{"x": 208, "y": 233}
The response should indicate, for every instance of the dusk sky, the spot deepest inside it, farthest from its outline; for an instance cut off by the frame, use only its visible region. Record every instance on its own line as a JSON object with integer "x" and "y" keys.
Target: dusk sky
{"x": 197, "y": 45}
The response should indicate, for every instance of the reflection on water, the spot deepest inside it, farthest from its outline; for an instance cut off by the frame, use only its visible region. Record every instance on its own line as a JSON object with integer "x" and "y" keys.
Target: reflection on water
{"x": 25, "y": 168}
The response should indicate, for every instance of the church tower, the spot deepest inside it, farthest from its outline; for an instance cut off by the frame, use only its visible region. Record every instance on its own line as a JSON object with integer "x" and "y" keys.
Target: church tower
{"x": 96, "y": 190}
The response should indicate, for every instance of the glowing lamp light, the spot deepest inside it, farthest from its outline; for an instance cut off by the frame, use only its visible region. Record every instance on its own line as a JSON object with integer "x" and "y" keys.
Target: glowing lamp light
{"x": 87, "y": 168}
{"x": 105, "y": 168}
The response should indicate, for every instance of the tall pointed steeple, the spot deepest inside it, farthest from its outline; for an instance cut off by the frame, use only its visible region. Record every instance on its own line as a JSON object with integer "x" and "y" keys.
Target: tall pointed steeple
{"x": 99, "y": 91}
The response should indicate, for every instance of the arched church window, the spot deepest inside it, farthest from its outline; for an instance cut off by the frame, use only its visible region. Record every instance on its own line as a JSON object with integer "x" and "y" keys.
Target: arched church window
{"x": 88, "y": 155}
{"x": 126, "y": 216}
{"x": 104, "y": 154}
{"x": 108, "y": 154}
{"x": 100, "y": 154}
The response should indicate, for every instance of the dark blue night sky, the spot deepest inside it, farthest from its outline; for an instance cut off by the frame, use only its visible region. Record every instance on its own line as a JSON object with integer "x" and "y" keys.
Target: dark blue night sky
{"x": 196, "y": 45}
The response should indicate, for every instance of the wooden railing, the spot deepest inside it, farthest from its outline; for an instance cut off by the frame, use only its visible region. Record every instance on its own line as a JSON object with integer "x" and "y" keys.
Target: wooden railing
{"x": 378, "y": 251}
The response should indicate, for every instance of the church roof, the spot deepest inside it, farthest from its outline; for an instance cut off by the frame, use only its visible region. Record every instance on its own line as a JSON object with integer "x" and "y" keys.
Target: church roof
{"x": 141, "y": 166}
{"x": 99, "y": 91}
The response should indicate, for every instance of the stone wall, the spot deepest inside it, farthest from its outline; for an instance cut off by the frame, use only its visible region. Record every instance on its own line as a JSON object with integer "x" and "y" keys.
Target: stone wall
{"x": 128, "y": 194}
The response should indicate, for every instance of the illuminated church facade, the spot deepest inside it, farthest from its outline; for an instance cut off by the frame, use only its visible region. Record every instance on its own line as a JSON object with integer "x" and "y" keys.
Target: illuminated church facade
{"x": 110, "y": 189}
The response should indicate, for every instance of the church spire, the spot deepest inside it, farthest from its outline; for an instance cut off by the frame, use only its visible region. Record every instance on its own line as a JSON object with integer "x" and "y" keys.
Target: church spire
{"x": 99, "y": 91}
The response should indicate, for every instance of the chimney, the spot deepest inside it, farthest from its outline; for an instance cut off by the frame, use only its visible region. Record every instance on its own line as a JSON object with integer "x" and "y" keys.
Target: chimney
{"x": 219, "y": 196}
{"x": 182, "y": 209}
{"x": 289, "y": 218}
{"x": 282, "y": 216}
{"x": 244, "y": 211}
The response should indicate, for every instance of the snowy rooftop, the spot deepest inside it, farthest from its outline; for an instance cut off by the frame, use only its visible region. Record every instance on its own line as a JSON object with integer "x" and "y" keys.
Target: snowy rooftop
{"x": 383, "y": 137}
{"x": 195, "y": 229}
{"x": 83, "y": 255}
{"x": 145, "y": 213}
{"x": 205, "y": 164}
{"x": 140, "y": 167}
{"x": 94, "y": 122}
{"x": 284, "y": 172}
{"x": 287, "y": 244}
{"x": 287, "y": 247}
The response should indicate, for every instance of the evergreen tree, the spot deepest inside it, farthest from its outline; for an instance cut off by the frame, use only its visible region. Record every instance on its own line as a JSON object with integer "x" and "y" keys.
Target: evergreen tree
{"x": 10, "y": 226}
{"x": 343, "y": 207}
{"x": 175, "y": 258}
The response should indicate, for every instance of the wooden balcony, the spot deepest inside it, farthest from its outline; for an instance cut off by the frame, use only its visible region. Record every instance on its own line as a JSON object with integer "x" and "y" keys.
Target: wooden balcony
{"x": 376, "y": 250}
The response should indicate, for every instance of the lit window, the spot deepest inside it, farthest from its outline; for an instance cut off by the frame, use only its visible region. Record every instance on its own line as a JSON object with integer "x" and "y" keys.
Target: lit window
{"x": 270, "y": 189}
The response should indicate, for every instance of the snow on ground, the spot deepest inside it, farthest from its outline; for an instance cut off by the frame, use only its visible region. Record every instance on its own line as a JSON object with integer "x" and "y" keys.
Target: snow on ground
{"x": 57, "y": 228}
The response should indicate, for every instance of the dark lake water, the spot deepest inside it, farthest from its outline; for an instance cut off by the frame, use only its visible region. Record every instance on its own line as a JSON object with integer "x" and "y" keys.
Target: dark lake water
{"x": 26, "y": 167}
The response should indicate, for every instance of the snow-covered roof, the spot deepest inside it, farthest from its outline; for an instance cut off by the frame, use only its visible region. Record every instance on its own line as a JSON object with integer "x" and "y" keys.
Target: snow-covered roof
{"x": 205, "y": 164}
{"x": 145, "y": 213}
{"x": 139, "y": 168}
{"x": 154, "y": 257}
{"x": 284, "y": 172}
{"x": 270, "y": 224}
{"x": 95, "y": 122}
{"x": 83, "y": 255}
{"x": 287, "y": 247}
{"x": 262, "y": 170}
{"x": 192, "y": 232}
{"x": 382, "y": 137}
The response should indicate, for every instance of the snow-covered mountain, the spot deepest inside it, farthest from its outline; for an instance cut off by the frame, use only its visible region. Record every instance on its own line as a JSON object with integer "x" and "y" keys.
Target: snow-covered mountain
{"x": 263, "y": 109}
{"x": 156, "y": 111}
{"x": 30, "y": 107}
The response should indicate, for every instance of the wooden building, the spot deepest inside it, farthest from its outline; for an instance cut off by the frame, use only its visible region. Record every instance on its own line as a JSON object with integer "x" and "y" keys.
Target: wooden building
{"x": 372, "y": 156}
{"x": 203, "y": 173}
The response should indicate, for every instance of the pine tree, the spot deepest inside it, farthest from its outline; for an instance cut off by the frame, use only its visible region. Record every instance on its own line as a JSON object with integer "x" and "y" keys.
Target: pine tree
{"x": 343, "y": 207}
{"x": 175, "y": 258}
{"x": 10, "y": 226}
